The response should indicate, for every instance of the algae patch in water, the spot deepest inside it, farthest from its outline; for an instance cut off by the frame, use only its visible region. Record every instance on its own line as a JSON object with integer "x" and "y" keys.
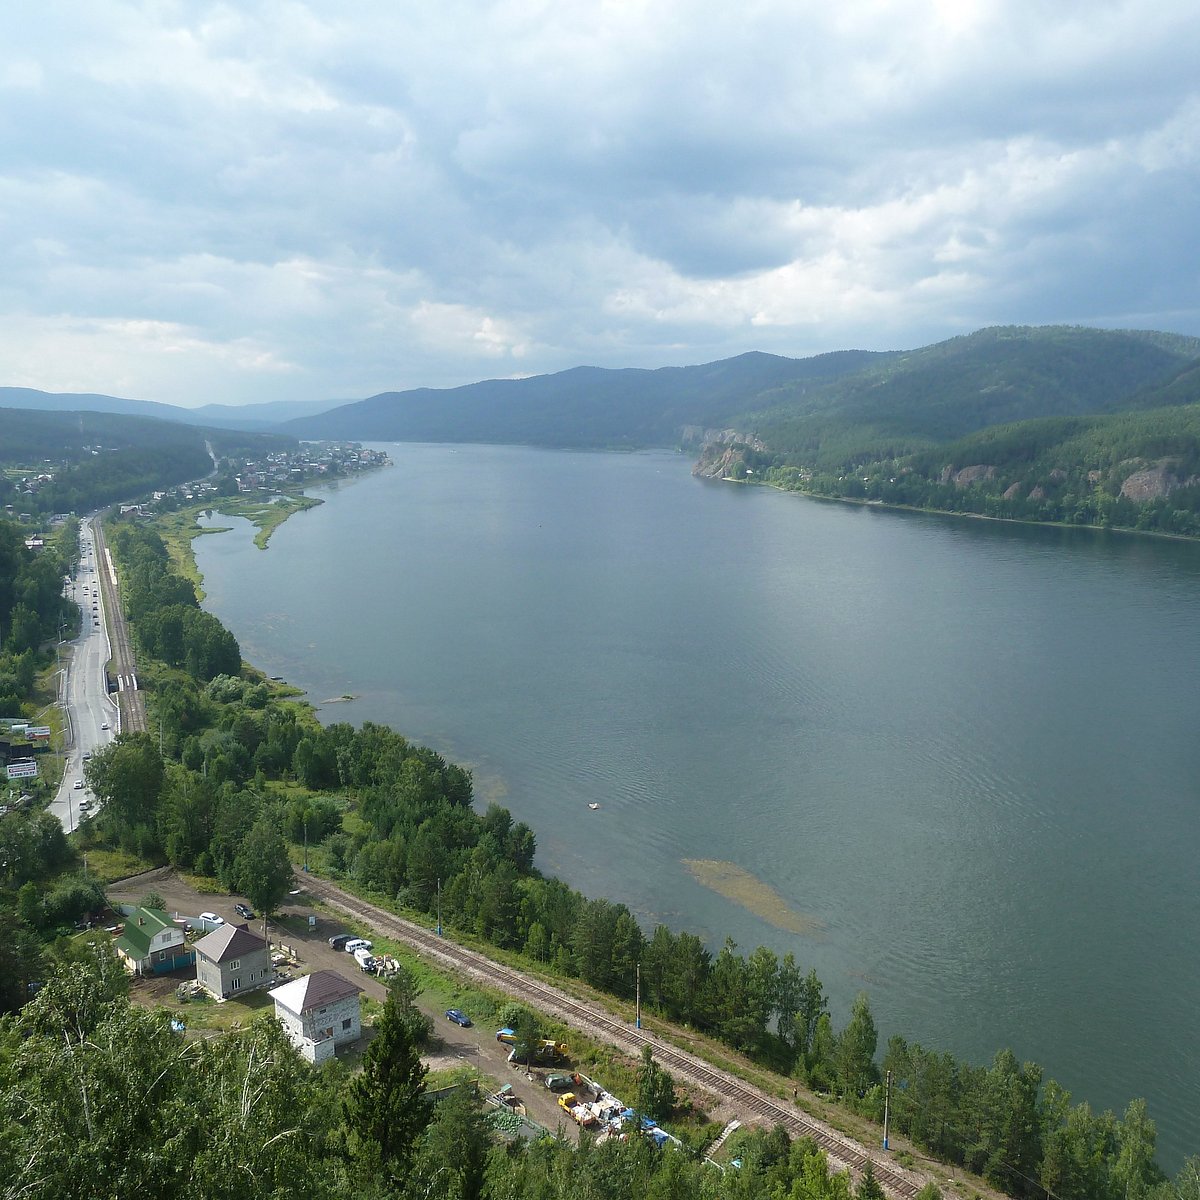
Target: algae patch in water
{"x": 737, "y": 884}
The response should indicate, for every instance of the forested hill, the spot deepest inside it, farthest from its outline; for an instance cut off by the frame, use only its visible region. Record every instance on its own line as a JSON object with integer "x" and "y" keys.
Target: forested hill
{"x": 945, "y": 391}
{"x": 585, "y": 406}
{"x": 76, "y": 461}
{"x": 833, "y": 407}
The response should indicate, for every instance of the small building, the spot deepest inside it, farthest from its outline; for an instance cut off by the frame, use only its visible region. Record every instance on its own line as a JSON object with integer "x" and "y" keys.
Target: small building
{"x": 232, "y": 960}
{"x": 151, "y": 943}
{"x": 319, "y": 1012}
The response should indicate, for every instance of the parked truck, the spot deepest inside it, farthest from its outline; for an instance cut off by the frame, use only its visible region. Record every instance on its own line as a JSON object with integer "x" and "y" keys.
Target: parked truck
{"x": 579, "y": 1113}
{"x": 548, "y": 1050}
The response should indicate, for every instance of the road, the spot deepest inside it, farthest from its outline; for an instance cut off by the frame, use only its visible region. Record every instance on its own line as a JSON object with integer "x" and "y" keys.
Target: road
{"x": 843, "y": 1153}
{"x": 90, "y": 715}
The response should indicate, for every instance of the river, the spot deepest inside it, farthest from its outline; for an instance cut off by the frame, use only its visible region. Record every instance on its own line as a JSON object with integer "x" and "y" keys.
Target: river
{"x": 963, "y": 753}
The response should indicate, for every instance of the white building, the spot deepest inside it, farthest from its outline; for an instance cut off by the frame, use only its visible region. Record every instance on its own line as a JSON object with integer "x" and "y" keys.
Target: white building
{"x": 319, "y": 1012}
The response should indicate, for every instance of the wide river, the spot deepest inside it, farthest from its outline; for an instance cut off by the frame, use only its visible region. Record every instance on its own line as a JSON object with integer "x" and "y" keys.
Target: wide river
{"x": 965, "y": 754}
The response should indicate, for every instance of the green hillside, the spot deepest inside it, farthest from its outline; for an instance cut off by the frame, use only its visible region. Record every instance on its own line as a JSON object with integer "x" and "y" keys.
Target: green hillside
{"x": 583, "y": 407}
{"x": 945, "y": 391}
{"x": 1134, "y": 470}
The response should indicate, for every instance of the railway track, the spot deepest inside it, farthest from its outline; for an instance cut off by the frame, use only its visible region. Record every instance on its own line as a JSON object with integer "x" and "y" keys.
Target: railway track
{"x": 842, "y": 1152}
{"x": 124, "y": 665}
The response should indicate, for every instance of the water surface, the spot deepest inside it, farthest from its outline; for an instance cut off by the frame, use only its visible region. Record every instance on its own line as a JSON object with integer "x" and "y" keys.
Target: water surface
{"x": 965, "y": 752}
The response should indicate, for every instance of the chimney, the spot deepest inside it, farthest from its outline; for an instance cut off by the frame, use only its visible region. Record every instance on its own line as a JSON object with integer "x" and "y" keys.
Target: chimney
{"x": 141, "y": 920}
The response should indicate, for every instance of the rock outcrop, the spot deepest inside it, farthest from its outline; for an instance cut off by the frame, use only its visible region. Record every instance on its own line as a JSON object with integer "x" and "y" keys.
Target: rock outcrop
{"x": 1152, "y": 483}
{"x": 722, "y": 450}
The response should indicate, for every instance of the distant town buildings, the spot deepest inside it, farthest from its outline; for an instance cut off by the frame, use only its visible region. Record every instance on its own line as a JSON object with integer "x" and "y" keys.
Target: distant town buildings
{"x": 276, "y": 472}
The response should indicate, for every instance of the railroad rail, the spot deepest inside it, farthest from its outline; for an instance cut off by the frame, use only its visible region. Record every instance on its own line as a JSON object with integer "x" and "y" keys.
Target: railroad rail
{"x": 843, "y": 1153}
{"x": 124, "y": 665}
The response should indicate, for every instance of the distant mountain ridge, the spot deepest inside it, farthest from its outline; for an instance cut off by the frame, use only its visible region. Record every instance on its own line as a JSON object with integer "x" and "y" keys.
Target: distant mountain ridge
{"x": 581, "y": 407}
{"x": 259, "y": 417}
{"x": 843, "y": 404}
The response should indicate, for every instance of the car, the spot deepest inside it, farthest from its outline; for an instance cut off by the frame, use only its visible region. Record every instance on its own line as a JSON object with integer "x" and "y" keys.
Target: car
{"x": 84, "y": 804}
{"x": 103, "y": 724}
{"x": 212, "y": 918}
{"x": 78, "y": 785}
{"x": 339, "y": 940}
{"x": 356, "y": 944}
{"x": 244, "y": 910}
{"x": 560, "y": 1083}
{"x": 86, "y": 755}
{"x": 458, "y": 1017}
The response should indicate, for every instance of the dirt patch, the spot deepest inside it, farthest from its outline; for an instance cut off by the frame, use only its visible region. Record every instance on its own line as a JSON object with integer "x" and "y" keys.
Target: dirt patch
{"x": 475, "y": 1047}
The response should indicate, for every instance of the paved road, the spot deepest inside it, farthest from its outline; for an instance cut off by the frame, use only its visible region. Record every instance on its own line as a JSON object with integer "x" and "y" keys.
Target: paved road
{"x": 91, "y": 716}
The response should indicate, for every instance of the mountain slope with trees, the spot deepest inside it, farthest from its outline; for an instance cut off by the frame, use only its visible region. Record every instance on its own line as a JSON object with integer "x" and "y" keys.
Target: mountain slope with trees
{"x": 589, "y": 407}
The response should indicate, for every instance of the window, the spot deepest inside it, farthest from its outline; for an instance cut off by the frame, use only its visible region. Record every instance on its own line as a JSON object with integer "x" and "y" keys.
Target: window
{"x": 346, "y": 1023}
{"x": 236, "y": 984}
{"x": 237, "y": 962}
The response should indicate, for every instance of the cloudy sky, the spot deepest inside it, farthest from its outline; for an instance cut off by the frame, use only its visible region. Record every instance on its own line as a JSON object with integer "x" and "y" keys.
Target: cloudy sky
{"x": 303, "y": 200}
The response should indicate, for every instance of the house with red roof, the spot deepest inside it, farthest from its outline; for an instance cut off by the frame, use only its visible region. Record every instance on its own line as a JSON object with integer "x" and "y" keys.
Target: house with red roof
{"x": 319, "y": 1012}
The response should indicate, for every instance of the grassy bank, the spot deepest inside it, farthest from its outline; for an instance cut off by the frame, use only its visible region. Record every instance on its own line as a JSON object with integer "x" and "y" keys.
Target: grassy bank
{"x": 179, "y": 529}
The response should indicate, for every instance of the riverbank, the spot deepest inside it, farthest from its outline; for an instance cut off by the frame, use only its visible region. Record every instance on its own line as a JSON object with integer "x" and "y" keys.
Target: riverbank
{"x": 862, "y": 502}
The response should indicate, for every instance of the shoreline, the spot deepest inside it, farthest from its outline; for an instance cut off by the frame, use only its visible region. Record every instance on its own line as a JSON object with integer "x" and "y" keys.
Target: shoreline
{"x": 862, "y": 503}
{"x": 1123, "y": 530}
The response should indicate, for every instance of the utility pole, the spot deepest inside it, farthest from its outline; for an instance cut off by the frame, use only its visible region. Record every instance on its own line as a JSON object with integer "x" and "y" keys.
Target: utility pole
{"x": 637, "y": 1009}
{"x": 439, "y": 906}
{"x": 306, "y": 841}
{"x": 887, "y": 1108}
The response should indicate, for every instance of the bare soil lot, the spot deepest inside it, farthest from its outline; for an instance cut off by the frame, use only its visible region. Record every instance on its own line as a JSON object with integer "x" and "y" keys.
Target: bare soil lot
{"x": 475, "y": 1048}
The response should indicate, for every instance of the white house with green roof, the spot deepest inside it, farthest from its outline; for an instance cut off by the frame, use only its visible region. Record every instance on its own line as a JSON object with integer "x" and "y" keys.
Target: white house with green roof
{"x": 151, "y": 942}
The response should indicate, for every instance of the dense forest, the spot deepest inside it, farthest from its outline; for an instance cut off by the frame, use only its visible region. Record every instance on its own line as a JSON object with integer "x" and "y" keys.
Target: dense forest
{"x": 34, "y": 614}
{"x": 244, "y": 774}
{"x": 74, "y": 462}
{"x": 1129, "y": 470}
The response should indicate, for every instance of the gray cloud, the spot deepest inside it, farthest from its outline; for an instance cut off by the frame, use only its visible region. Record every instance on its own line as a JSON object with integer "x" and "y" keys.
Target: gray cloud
{"x": 212, "y": 202}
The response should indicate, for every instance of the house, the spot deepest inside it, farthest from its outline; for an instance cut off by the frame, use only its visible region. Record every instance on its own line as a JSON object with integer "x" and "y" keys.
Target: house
{"x": 231, "y": 960}
{"x": 151, "y": 942}
{"x": 319, "y": 1012}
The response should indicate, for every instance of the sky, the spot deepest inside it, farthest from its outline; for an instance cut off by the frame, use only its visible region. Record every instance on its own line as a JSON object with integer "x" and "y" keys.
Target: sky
{"x": 290, "y": 200}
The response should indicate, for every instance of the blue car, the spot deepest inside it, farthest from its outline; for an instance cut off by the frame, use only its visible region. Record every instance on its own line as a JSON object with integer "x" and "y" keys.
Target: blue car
{"x": 458, "y": 1017}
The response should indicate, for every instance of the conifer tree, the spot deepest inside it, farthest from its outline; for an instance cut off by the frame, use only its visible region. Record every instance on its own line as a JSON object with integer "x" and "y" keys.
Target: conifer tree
{"x": 384, "y": 1107}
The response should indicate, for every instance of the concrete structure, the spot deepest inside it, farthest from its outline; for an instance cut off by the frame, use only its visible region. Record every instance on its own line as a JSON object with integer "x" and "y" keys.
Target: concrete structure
{"x": 232, "y": 960}
{"x": 151, "y": 942}
{"x": 319, "y": 1012}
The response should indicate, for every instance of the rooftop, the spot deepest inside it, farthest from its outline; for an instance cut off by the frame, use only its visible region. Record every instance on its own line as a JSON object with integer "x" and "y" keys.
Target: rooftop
{"x": 314, "y": 991}
{"x": 227, "y": 942}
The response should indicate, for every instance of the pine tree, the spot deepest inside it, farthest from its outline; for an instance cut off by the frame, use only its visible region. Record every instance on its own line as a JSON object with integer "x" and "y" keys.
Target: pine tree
{"x": 655, "y": 1089}
{"x": 384, "y": 1109}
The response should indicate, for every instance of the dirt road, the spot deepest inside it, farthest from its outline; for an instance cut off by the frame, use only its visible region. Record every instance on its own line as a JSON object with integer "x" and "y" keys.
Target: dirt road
{"x": 475, "y": 1047}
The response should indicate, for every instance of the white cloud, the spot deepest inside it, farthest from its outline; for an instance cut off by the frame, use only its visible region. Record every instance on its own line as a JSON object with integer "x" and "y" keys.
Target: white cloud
{"x": 310, "y": 202}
